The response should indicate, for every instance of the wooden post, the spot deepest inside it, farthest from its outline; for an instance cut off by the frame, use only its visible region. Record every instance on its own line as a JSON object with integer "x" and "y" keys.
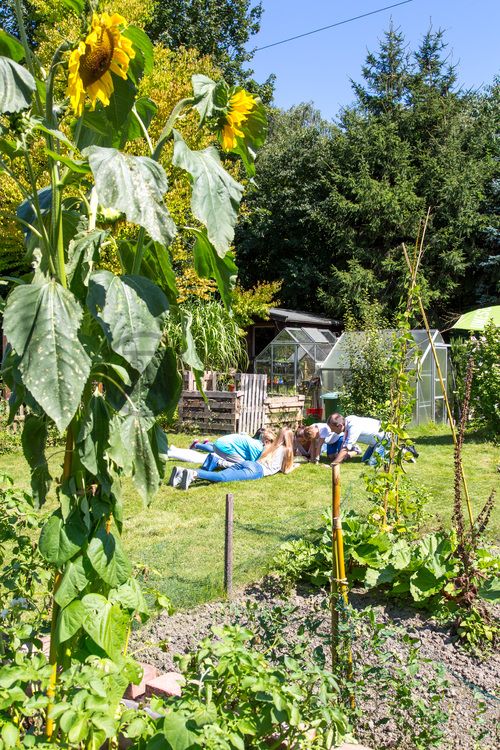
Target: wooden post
{"x": 228, "y": 547}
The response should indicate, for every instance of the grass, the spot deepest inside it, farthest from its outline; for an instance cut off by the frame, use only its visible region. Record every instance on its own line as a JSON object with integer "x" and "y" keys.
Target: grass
{"x": 180, "y": 538}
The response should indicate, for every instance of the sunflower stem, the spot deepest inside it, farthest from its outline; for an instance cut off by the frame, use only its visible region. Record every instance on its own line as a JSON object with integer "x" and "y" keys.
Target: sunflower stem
{"x": 144, "y": 129}
{"x": 49, "y": 101}
{"x": 167, "y": 130}
{"x": 139, "y": 251}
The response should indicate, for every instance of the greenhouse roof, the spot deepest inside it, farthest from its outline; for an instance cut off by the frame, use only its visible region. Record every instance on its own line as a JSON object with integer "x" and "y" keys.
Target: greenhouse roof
{"x": 313, "y": 342}
{"x": 338, "y": 357}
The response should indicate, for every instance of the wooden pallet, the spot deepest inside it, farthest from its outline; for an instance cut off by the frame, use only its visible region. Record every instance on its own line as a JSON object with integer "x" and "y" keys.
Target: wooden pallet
{"x": 284, "y": 410}
{"x": 220, "y": 415}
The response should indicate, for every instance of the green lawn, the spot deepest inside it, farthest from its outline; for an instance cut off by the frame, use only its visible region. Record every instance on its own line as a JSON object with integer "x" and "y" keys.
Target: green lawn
{"x": 180, "y": 538}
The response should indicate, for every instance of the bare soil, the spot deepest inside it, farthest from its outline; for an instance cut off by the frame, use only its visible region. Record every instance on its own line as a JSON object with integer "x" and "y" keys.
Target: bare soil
{"x": 470, "y": 699}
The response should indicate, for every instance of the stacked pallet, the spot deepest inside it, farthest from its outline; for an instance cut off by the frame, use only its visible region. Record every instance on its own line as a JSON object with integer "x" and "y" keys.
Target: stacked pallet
{"x": 284, "y": 411}
{"x": 220, "y": 415}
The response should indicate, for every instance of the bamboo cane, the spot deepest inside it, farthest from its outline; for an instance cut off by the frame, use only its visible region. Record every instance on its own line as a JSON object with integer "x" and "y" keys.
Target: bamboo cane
{"x": 445, "y": 394}
{"x": 338, "y": 581}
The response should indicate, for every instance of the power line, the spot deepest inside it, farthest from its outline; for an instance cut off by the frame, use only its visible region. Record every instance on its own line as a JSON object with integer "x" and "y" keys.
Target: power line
{"x": 331, "y": 26}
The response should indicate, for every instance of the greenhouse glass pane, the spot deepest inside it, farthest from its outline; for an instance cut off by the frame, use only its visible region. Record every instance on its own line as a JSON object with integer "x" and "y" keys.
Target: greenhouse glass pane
{"x": 439, "y": 411}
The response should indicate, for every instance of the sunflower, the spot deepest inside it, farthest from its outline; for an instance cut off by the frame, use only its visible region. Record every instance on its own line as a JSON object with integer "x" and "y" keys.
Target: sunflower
{"x": 241, "y": 103}
{"x": 104, "y": 51}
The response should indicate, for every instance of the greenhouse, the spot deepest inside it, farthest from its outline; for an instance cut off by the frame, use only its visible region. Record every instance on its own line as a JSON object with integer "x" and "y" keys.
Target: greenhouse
{"x": 429, "y": 405}
{"x": 293, "y": 358}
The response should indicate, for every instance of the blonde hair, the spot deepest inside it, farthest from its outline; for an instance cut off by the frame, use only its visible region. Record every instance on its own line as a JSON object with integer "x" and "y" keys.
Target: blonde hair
{"x": 267, "y": 435}
{"x": 285, "y": 439}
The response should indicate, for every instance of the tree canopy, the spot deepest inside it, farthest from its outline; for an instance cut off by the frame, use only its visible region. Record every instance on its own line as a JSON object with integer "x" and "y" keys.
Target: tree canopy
{"x": 337, "y": 200}
{"x": 218, "y": 28}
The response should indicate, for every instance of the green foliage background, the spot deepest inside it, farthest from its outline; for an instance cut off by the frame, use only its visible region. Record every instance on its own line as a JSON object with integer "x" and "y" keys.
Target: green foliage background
{"x": 336, "y": 200}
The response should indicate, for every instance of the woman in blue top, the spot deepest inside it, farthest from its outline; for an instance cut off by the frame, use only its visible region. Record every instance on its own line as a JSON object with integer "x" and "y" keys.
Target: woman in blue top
{"x": 276, "y": 457}
{"x": 236, "y": 447}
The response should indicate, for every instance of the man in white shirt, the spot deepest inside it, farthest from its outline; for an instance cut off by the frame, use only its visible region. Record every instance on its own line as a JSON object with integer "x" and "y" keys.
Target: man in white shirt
{"x": 358, "y": 430}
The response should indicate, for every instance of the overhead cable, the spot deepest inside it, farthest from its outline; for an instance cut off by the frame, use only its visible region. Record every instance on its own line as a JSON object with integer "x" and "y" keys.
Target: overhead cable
{"x": 332, "y": 25}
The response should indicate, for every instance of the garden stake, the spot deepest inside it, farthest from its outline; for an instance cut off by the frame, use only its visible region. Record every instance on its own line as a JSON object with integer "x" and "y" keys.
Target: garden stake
{"x": 445, "y": 395}
{"x": 228, "y": 547}
{"x": 339, "y": 581}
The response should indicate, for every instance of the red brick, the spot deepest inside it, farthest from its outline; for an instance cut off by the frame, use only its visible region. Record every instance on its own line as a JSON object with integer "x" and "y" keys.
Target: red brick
{"x": 135, "y": 691}
{"x": 165, "y": 685}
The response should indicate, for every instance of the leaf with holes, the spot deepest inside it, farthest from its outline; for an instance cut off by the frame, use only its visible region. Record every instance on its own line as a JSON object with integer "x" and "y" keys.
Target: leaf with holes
{"x": 131, "y": 311}
{"x": 134, "y": 185}
{"x": 41, "y": 322}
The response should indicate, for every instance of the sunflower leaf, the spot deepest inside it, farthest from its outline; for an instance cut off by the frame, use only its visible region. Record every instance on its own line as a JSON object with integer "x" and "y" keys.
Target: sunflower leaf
{"x": 209, "y": 265}
{"x": 16, "y": 86}
{"x": 211, "y": 97}
{"x": 77, "y": 6}
{"x": 142, "y": 63}
{"x": 41, "y": 322}
{"x": 134, "y": 185}
{"x": 216, "y": 195}
{"x": 11, "y": 47}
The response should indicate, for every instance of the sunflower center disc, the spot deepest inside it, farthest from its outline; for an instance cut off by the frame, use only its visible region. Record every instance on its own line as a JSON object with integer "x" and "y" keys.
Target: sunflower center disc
{"x": 97, "y": 58}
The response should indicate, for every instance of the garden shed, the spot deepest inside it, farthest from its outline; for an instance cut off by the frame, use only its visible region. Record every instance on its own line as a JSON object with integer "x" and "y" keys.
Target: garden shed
{"x": 429, "y": 406}
{"x": 293, "y": 358}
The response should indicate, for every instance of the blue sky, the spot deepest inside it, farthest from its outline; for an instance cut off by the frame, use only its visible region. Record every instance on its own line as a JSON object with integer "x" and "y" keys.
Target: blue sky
{"x": 318, "y": 67}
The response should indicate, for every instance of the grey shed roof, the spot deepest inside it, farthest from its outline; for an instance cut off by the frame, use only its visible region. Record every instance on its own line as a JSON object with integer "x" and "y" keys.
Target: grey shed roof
{"x": 301, "y": 318}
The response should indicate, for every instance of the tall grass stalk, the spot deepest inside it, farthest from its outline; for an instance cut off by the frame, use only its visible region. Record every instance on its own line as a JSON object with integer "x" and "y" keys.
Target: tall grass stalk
{"x": 219, "y": 341}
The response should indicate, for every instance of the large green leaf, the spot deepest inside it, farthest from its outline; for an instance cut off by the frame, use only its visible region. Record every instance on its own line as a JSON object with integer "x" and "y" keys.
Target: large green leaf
{"x": 11, "y": 47}
{"x": 34, "y": 438}
{"x": 424, "y": 584}
{"x": 83, "y": 252}
{"x": 92, "y": 440}
{"x": 178, "y": 731}
{"x": 60, "y": 540}
{"x": 131, "y": 129}
{"x": 209, "y": 265}
{"x": 189, "y": 354}
{"x": 121, "y": 101}
{"x": 70, "y": 620}
{"x": 132, "y": 443}
{"x": 216, "y": 195}
{"x": 106, "y": 623}
{"x": 142, "y": 63}
{"x": 16, "y": 86}
{"x": 74, "y": 580}
{"x": 155, "y": 391}
{"x": 131, "y": 311}
{"x": 108, "y": 559}
{"x": 129, "y": 595}
{"x": 211, "y": 97}
{"x": 134, "y": 185}
{"x": 41, "y": 322}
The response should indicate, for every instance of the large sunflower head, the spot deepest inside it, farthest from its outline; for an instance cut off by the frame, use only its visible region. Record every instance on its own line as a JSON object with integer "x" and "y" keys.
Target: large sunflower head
{"x": 104, "y": 51}
{"x": 240, "y": 105}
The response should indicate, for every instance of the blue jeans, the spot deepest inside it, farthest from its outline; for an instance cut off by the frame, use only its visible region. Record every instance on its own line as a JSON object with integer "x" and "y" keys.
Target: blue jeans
{"x": 333, "y": 448}
{"x": 237, "y": 473}
{"x": 379, "y": 449}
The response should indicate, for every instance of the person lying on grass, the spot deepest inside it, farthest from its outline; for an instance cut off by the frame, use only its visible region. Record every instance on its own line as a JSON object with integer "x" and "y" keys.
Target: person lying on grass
{"x": 309, "y": 441}
{"x": 363, "y": 430}
{"x": 231, "y": 449}
{"x": 276, "y": 457}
